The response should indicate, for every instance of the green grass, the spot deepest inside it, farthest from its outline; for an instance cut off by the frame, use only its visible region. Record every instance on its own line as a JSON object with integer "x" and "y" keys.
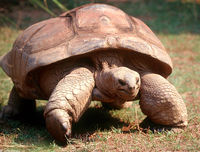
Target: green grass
{"x": 165, "y": 17}
{"x": 103, "y": 130}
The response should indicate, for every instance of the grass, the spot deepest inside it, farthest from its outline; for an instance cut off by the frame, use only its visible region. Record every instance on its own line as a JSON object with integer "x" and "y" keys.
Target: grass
{"x": 117, "y": 130}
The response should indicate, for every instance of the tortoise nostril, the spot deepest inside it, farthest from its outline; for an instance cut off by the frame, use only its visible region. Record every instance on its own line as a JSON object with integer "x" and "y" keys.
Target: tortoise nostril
{"x": 131, "y": 88}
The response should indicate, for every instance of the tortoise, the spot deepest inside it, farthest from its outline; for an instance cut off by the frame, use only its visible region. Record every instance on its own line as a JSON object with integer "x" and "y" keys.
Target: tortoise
{"x": 93, "y": 52}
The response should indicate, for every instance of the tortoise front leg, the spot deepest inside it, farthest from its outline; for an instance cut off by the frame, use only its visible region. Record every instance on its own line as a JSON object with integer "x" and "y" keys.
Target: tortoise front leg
{"x": 161, "y": 102}
{"x": 70, "y": 98}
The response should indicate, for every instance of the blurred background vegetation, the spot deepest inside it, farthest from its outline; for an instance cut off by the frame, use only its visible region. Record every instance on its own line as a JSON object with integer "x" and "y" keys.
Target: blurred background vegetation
{"x": 172, "y": 16}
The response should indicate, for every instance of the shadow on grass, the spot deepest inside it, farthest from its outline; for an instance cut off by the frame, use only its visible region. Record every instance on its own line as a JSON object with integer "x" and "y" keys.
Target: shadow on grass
{"x": 31, "y": 130}
{"x": 97, "y": 119}
{"x": 27, "y": 130}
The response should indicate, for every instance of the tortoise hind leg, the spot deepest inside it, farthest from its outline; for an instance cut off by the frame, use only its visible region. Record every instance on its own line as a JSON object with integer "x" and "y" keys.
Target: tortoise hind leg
{"x": 161, "y": 102}
{"x": 17, "y": 106}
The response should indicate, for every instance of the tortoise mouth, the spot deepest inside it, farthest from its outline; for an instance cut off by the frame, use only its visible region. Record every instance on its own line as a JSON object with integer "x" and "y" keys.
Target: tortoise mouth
{"x": 124, "y": 91}
{"x": 126, "y": 94}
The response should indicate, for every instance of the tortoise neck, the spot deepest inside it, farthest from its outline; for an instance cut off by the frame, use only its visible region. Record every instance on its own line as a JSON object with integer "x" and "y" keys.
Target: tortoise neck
{"x": 107, "y": 60}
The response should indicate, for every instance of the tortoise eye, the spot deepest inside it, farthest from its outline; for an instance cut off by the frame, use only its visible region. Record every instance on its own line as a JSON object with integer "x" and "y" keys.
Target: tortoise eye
{"x": 122, "y": 82}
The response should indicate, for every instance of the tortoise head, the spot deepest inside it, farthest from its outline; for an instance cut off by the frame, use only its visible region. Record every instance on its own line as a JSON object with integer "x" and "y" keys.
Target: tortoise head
{"x": 120, "y": 83}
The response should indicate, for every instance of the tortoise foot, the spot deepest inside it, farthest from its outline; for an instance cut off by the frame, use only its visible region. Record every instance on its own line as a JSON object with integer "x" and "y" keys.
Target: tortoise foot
{"x": 18, "y": 107}
{"x": 9, "y": 112}
{"x": 58, "y": 124}
{"x": 147, "y": 124}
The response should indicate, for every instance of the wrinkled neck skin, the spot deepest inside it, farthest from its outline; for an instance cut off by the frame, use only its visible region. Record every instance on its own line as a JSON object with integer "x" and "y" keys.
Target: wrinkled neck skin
{"x": 103, "y": 76}
{"x": 113, "y": 80}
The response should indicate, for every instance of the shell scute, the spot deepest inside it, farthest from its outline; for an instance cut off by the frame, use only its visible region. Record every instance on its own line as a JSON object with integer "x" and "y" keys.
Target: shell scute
{"x": 102, "y": 19}
{"x": 50, "y": 35}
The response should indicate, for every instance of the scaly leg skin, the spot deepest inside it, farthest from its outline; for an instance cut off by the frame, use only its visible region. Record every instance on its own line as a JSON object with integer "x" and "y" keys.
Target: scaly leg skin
{"x": 69, "y": 100}
{"x": 161, "y": 102}
{"x": 108, "y": 102}
{"x": 17, "y": 106}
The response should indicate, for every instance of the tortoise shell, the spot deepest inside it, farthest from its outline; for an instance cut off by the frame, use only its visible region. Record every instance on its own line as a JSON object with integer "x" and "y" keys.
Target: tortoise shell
{"x": 80, "y": 31}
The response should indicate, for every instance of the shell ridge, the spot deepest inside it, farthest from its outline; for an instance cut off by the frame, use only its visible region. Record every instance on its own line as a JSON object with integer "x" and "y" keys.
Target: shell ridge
{"x": 73, "y": 23}
{"x": 32, "y": 36}
{"x": 62, "y": 42}
{"x": 5, "y": 63}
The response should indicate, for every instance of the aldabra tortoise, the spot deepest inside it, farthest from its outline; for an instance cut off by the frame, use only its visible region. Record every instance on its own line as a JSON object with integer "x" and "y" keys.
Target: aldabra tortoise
{"x": 93, "y": 52}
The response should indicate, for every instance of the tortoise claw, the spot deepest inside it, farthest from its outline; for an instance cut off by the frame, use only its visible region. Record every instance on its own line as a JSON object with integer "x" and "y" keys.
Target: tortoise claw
{"x": 58, "y": 124}
{"x": 67, "y": 130}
